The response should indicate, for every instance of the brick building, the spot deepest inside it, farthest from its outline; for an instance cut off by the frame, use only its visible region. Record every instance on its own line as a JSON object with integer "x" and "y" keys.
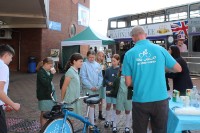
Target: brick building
{"x": 37, "y": 27}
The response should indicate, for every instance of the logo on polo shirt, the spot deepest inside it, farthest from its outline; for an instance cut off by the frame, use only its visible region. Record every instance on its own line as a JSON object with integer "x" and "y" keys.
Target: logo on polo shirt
{"x": 145, "y": 58}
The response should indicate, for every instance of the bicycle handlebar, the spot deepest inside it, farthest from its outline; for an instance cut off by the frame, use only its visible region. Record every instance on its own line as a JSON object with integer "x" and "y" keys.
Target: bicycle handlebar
{"x": 70, "y": 103}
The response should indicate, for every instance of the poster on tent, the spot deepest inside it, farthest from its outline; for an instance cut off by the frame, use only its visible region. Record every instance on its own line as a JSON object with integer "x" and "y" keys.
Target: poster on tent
{"x": 83, "y": 15}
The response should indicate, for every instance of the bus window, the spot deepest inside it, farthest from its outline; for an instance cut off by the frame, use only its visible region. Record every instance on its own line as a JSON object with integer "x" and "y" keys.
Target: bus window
{"x": 196, "y": 43}
{"x": 177, "y": 13}
{"x": 195, "y": 14}
{"x": 177, "y": 16}
{"x": 134, "y": 22}
{"x": 158, "y": 19}
{"x": 113, "y": 24}
{"x": 194, "y": 10}
{"x": 149, "y": 20}
{"x": 125, "y": 45}
{"x": 182, "y": 15}
{"x": 173, "y": 17}
{"x": 142, "y": 21}
{"x": 121, "y": 24}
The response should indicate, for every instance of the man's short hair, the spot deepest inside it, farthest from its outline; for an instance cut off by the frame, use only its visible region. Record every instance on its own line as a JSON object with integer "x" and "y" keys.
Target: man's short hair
{"x": 137, "y": 30}
{"x": 5, "y": 48}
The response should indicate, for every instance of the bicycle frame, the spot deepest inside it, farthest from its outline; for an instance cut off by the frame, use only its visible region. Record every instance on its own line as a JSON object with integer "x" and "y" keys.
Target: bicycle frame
{"x": 76, "y": 116}
{"x": 68, "y": 113}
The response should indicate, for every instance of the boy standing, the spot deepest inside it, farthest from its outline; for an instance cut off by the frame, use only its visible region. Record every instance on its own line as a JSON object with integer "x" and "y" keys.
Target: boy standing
{"x": 6, "y": 54}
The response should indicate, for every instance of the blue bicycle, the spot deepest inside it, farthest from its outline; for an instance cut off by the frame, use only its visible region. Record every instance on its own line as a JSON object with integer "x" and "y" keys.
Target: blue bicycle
{"x": 59, "y": 121}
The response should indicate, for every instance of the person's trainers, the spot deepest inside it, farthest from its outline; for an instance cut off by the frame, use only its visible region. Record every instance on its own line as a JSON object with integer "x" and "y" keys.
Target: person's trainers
{"x": 114, "y": 129}
{"x": 106, "y": 124}
{"x": 127, "y": 130}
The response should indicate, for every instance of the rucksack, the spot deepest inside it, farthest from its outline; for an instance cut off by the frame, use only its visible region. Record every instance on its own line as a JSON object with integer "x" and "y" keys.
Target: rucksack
{"x": 62, "y": 79}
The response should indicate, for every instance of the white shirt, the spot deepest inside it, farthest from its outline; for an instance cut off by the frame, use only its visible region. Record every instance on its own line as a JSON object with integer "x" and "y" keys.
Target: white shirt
{"x": 4, "y": 76}
{"x": 183, "y": 48}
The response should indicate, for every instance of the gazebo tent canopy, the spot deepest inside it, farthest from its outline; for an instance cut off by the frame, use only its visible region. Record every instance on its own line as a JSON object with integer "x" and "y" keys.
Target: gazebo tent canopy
{"x": 88, "y": 37}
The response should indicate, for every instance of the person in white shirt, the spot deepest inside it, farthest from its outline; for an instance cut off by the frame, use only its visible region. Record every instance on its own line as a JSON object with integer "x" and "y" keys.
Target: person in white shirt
{"x": 6, "y": 54}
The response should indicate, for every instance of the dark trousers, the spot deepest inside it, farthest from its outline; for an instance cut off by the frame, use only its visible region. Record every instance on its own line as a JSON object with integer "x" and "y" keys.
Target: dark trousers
{"x": 3, "y": 127}
{"x": 156, "y": 112}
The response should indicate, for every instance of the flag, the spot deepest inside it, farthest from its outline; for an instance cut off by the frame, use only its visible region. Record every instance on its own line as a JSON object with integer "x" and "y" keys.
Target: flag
{"x": 180, "y": 28}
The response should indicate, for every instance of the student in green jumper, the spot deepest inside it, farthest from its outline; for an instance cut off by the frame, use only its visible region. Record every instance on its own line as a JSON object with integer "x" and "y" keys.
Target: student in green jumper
{"x": 45, "y": 87}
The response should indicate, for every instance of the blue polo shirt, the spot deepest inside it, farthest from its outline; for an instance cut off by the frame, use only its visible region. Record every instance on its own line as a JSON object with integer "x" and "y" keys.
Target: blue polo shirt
{"x": 146, "y": 63}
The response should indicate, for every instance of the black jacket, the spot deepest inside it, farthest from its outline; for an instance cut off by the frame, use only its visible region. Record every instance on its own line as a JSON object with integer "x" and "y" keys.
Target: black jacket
{"x": 181, "y": 80}
{"x": 115, "y": 89}
{"x": 44, "y": 86}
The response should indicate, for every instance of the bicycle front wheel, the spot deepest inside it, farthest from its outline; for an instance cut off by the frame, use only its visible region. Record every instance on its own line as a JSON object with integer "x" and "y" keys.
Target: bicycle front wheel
{"x": 56, "y": 126}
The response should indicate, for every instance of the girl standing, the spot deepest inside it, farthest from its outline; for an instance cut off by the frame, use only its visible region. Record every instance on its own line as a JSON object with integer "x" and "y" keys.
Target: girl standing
{"x": 110, "y": 75}
{"x": 102, "y": 92}
{"x": 120, "y": 90}
{"x": 45, "y": 87}
{"x": 71, "y": 87}
{"x": 91, "y": 78}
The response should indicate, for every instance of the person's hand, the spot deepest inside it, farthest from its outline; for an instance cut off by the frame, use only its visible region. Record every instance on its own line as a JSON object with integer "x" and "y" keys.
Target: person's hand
{"x": 8, "y": 108}
{"x": 16, "y": 106}
{"x": 107, "y": 92}
{"x": 110, "y": 83}
{"x": 53, "y": 70}
{"x": 94, "y": 89}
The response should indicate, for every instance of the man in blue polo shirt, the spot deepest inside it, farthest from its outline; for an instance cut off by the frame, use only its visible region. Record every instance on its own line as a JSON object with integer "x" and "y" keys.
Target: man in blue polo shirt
{"x": 144, "y": 68}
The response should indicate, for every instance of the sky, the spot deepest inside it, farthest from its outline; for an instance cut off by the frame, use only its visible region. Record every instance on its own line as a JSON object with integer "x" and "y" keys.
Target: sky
{"x": 101, "y": 10}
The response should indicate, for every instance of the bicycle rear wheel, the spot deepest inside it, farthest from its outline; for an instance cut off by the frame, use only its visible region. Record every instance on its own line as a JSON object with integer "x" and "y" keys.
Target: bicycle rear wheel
{"x": 56, "y": 126}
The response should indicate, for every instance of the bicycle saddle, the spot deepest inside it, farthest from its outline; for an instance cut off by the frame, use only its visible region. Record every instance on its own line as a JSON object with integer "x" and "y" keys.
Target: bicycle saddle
{"x": 92, "y": 100}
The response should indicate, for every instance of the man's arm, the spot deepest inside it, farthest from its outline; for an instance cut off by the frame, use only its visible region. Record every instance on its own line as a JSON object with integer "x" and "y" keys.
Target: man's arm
{"x": 176, "y": 68}
{"x": 128, "y": 80}
{"x": 6, "y": 99}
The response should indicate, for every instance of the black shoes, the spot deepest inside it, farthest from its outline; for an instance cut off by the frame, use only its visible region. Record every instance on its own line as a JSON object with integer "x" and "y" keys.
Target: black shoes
{"x": 111, "y": 124}
{"x": 101, "y": 117}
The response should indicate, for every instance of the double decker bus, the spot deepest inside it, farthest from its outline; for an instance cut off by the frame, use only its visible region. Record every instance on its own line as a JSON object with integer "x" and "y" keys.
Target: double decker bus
{"x": 162, "y": 27}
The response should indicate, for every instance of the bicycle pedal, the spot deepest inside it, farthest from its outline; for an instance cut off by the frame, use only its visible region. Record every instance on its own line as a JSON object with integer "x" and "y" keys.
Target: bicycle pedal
{"x": 93, "y": 128}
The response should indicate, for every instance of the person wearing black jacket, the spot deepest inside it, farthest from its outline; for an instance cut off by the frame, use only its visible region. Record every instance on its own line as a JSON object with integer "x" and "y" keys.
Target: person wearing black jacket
{"x": 181, "y": 80}
{"x": 45, "y": 87}
{"x": 123, "y": 96}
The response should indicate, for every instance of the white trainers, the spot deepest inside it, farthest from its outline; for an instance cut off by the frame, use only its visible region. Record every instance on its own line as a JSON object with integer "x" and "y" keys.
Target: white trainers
{"x": 127, "y": 130}
{"x": 106, "y": 124}
{"x": 114, "y": 129}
